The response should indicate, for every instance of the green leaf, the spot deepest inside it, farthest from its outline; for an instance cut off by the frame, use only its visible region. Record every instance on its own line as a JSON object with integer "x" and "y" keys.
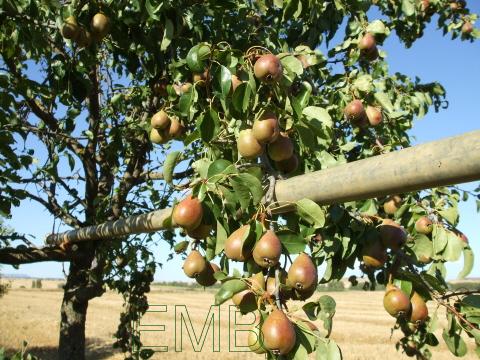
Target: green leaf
{"x": 439, "y": 238}
{"x": 208, "y": 125}
{"x": 167, "y": 35}
{"x": 225, "y": 81}
{"x": 315, "y": 113}
{"x": 311, "y": 212}
{"x": 186, "y": 101}
{"x": 468, "y": 261}
{"x": 422, "y": 247}
{"x": 254, "y": 186}
{"x": 377, "y": 27}
{"x": 241, "y": 97}
{"x": 221, "y": 238}
{"x": 219, "y": 166}
{"x": 384, "y": 101}
{"x": 196, "y": 57}
{"x": 327, "y": 349}
{"x": 293, "y": 243}
{"x": 246, "y": 187}
{"x": 455, "y": 343}
{"x": 169, "y": 165}
{"x": 450, "y": 214}
{"x": 152, "y": 11}
{"x": 364, "y": 83}
{"x": 454, "y": 248}
{"x": 408, "y": 7}
{"x": 292, "y": 64}
{"x": 228, "y": 289}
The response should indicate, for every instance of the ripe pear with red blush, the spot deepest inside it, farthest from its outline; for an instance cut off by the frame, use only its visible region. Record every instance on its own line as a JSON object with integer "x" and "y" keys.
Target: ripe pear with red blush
{"x": 246, "y": 299}
{"x": 234, "y": 249}
{"x": 268, "y": 68}
{"x": 355, "y": 113}
{"x": 194, "y": 264}
{"x": 206, "y": 277}
{"x": 302, "y": 274}
{"x": 467, "y": 28}
{"x": 281, "y": 148}
{"x": 270, "y": 284}
{"x": 396, "y": 302}
{"x": 419, "y": 310}
{"x": 235, "y": 82}
{"x": 266, "y": 129}
{"x": 248, "y": 146}
{"x": 267, "y": 250}
{"x": 367, "y": 43}
{"x": 374, "y": 115}
{"x": 188, "y": 213}
{"x": 278, "y": 333}
{"x": 424, "y": 225}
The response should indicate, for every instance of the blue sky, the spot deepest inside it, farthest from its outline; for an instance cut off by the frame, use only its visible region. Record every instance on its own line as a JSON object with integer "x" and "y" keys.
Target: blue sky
{"x": 454, "y": 64}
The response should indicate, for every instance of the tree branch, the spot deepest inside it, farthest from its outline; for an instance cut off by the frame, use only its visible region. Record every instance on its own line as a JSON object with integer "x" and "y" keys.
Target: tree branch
{"x": 24, "y": 255}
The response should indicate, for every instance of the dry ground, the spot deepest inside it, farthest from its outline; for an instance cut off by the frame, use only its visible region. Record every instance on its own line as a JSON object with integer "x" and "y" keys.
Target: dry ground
{"x": 361, "y": 327}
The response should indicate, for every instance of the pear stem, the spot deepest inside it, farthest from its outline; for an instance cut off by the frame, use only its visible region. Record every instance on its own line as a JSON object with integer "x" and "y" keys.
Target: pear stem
{"x": 277, "y": 288}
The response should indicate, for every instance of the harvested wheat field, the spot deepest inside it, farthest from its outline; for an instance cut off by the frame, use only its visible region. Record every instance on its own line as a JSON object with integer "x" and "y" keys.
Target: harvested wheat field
{"x": 361, "y": 327}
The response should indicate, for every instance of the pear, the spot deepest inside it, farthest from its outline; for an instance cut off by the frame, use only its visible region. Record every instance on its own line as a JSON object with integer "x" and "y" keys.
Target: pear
{"x": 188, "y": 213}
{"x": 392, "y": 234}
{"x": 392, "y": 204}
{"x": 419, "y": 311}
{"x": 248, "y": 146}
{"x": 234, "y": 249}
{"x": 303, "y": 275}
{"x": 266, "y": 129}
{"x": 278, "y": 333}
{"x": 267, "y": 250}
{"x": 268, "y": 68}
{"x": 281, "y": 148}
{"x": 396, "y": 302}
{"x": 70, "y": 29}
{"x": 424, "y": 225}
{"x": 206, "y": 278}
{"x": 255, "y": 341}
{"x": 374, "y": 255}
{"x": 160, "y": 120}
{"x": 194, "y": 264}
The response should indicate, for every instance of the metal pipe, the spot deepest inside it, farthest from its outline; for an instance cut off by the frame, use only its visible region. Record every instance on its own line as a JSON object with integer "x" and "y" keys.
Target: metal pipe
{"x": 449, "y": 161}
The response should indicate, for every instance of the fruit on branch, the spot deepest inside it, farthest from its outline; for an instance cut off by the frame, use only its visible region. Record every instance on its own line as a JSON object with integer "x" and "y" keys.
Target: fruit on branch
{"x": 457, "y": 5}
{"x": 268, "y": 68}
{"x": 374, "y": 115}
{"x": 100, "y": 26}
{"x": 424, "y": 225}
{"x": 160, "y": 120}
{"x": 254, "y": 340}
{"x": 288, "y": 166}
{"x": 278, "y": 333}
{"x": 246, "y": 299}
{"x": 392, "y": 204}
{"x": 267, "y": 250}
{"x": 425, "y": 4}
{"x": 281, "y": 148}
{"x": 234, "y": 249}
{"x": 270, "y": 284}
{"x": 200, "y": 232}
{"x": 303, "y": 275}
{"x": 396, "y": 302}
{"x": 355, "y": 113}
{"x": 368, "y": 47}
{"x": 188, "y": 213}
{"x": 185, "y": 87}
{"x": 84, "y": 38}
{"x": 235, "y": 82}
{"x": 201, "y": 78}
{"x": 176, "y": 129}
{"x": 419, "y": 310}
{"x": 266, "y": 129}
{"x": 392, "y": 234}
{"x": 159, "y": 136}
{"x": 374, "y": 255}
{"x": 206, "y": 277}
{"x": 70, "y": 28}
{"x": 467, "y": 28}
{"x": 194, "y": 264}
{"x": 247, "y": 145}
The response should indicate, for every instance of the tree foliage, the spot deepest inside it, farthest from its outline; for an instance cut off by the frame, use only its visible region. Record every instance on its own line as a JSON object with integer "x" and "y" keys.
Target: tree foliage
{"x": 76, "y": 138}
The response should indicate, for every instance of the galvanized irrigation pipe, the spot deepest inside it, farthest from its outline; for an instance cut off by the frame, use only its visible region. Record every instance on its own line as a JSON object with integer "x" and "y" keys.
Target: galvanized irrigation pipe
{"x": 449, "y": 161}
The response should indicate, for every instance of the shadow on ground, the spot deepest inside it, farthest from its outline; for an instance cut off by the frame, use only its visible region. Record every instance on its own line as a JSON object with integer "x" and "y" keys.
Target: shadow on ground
{"x": 96, "y": 349}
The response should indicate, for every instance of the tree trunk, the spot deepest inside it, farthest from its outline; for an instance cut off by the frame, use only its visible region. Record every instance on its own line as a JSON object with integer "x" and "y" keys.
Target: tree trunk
{"x": 76, "y": 295}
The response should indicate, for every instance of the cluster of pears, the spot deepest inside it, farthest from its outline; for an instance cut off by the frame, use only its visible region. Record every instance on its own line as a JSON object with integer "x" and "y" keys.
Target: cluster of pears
{"x": 368, "y": 47}
{"x": 188, "y": 214}
{"x": 265, "y": 132}
{"x": 399, "y": 305}
{"x": 358, "y": 115}
{"x": 165, "y": 128}
{"x": 391, "y": 235}
{"x": 99, "y": 28}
